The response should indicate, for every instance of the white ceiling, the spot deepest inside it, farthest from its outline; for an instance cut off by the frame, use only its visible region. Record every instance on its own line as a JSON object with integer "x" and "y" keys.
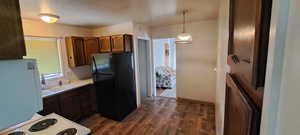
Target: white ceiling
{"x": 91, "y": 13}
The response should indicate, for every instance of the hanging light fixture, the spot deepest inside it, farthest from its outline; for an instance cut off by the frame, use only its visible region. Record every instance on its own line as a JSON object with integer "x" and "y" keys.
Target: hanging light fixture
{"x": 184, "y": 37}
{"x": 49, "y": 18}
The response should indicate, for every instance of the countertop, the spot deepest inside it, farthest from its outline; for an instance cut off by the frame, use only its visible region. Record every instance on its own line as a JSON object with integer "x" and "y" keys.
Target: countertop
{"x": 66, "y": 87}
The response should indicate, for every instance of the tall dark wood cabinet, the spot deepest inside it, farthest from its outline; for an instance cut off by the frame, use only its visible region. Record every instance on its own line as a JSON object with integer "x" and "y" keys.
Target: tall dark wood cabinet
{"x": 12, "y": 45}
{"x": 247, "y": 56}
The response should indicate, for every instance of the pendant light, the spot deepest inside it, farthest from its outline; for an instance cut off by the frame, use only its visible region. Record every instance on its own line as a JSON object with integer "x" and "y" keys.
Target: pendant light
{"x": 49, "y": 18}
{"x": 184, "y": 37}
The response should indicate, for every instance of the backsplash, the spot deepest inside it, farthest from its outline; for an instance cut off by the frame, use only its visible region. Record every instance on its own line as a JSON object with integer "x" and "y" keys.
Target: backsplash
{"x": 70, "y": 75}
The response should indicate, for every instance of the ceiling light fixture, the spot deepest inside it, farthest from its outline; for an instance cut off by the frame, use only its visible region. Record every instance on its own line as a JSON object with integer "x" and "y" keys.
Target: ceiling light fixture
{"x": 49, "y": 18}
{"x": 184, "y": 37}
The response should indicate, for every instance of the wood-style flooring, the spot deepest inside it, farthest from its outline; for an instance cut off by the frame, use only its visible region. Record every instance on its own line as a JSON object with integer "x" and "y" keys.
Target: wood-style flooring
{"x": 159, "y": 116}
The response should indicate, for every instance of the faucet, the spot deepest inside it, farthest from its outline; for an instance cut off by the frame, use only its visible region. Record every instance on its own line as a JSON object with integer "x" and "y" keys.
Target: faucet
{"x": 43, "y": 81}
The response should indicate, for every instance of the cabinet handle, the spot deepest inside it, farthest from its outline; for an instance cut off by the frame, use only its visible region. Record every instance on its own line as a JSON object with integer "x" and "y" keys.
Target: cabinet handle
{"x": 246, "y": 60}
{"x": 235, "y": 59}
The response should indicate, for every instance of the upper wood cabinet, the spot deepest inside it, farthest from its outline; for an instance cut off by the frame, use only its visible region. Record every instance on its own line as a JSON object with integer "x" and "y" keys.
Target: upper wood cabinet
{"x": 91, "y": 46}
{"x": 105, "y": 44}
{"x": 75, "y": 51}
{"x": 12, "y": 45}
{"x": 121, "y": 43}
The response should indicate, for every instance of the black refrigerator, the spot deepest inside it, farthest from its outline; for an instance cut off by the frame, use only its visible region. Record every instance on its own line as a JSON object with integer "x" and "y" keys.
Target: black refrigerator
{"x": 113, "y": 76}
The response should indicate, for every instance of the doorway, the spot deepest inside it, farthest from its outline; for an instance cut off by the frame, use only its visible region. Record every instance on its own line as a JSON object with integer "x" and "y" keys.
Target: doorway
{"x": 164, "y": 53}
{"x": 144, "y": 68}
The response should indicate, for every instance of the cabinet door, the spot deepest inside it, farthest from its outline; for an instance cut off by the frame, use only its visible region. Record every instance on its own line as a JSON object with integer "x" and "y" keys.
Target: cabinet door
{"x": 88, "y": 101}
{"x": 248, "y": 44}
{"x": 117, "y": 43}
{"x": 105, "y": 44}
{"x": 128, "y": 43}
{"x": 241, "y": 117}
{"x": 12, "y": 45}
{"x": 91, "y": 46}
{"x": 75, "y": 51}
{"x": 78, "y": 44}
{"x": 51, "y": 105}
{"x": 70, "y": 105}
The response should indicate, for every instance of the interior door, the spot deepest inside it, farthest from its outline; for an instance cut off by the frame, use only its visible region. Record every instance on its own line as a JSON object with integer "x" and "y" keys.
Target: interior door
{"x": 91, "y": 46}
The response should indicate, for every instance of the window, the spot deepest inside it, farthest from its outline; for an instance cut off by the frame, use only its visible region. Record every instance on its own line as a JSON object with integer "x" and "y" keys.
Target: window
{"x": 46, "y": 52}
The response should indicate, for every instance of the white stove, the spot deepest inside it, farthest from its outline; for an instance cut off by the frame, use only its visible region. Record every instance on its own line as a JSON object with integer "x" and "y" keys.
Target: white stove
{"x": 58, "y": 126}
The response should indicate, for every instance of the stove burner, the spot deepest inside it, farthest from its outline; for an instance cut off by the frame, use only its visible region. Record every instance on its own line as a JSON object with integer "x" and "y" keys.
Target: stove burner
{"x": 69, "y": 131}
{"x": 42, "y": 125}
{"x": 17, "y": 133}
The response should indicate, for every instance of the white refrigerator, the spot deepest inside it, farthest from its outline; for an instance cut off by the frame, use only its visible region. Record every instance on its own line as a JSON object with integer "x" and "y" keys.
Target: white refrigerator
{"x": 20, "y": 91}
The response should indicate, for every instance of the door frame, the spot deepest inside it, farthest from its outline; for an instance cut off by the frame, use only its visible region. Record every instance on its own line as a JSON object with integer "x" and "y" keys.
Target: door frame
{"x": 150, "y": 72}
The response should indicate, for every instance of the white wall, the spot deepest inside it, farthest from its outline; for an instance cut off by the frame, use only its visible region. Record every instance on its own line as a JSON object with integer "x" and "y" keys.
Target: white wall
{"x": 196, "y": 78}
{"x": 159, "y": 52}
{"x": 222, "y": 65}
{"x": 281, "y": 101}
{"x": 41, "y": 29}
{"x": 123, "y": 28}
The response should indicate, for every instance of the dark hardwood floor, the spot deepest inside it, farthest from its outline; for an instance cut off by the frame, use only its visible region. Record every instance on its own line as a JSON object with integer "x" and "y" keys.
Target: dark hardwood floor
{"x": 160, "y": 116}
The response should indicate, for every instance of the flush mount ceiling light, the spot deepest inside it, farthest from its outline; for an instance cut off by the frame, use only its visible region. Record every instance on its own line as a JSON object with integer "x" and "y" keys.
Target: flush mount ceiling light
{"x": 49, "y": 18}
{"x": 184, "y": 37}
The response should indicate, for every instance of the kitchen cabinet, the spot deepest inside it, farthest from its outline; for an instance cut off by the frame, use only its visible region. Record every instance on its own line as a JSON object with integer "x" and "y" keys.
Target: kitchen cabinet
{"x": 121, "y": 43}
{"x": 75, "y": 51}
{"x": 70, "y": 105}
{"x": 74, "y": 104}
{"x": 91, "y": 46}
{"x": 51, "y": 105}
{"x": 240, "y": 111}
{"x": 88, "y": 103}
{"x": 105, "y": 44}
{"x": 12, "y": 45}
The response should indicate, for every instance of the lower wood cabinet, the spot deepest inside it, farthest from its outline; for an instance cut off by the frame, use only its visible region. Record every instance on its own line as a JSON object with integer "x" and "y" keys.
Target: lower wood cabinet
{"x": 74, "y": 104}
{"x": 88, "y": 102}
{"x": 241, "y": 115}
{"x": 70, "y": 105}
{"x": 51, "y": 105}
